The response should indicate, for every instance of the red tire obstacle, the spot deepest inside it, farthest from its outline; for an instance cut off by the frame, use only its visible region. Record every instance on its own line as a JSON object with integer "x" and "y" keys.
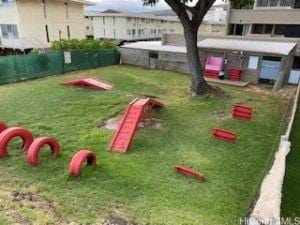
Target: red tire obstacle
{"x": 224, "y": 135}
{"x": 3, "y": 126}
{"x": 37, "y": 144}
{"x": 242, "y": 112}
{"x": 12, "y": 132}
{"x": 78, "y": 159}
{"x": 188, "y": 172}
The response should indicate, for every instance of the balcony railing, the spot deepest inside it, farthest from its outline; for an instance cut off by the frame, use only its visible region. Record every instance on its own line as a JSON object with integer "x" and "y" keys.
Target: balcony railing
{"x": 275, "y": 3}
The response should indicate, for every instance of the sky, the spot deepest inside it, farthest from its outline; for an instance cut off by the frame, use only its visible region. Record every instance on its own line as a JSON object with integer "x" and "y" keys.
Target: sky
{"x": 128, "y": 5}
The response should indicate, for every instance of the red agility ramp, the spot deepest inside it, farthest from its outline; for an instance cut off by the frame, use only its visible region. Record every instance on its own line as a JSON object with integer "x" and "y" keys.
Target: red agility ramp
{"x": 188, "y": 172}
{"x": 242, "y": 112}
{"x": 224, "y": 135}
{"x": 90, "y": 83}
{"x": 137, "y": 110}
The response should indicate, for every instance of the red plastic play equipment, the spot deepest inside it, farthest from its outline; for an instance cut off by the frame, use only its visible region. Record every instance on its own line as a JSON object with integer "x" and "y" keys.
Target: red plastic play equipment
{"x": 213, "y": 66}
{"x": 12, "y": 132}
{"x": 224, "y": 135}
{"x": 90, "y": 83}
{"x": 188, "y": 172}
{"x": 242, "y": 112}
{"x": 78, "y": 159}
{"x": 3, "y": 126}
{"x": 37, "y": 144}
{"x": 137, "y": 111}
{"x": 211, "y": 74}
{"x": 235, "y": 74}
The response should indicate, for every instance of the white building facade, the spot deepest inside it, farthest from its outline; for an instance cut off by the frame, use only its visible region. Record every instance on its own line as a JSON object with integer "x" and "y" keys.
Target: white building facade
{"x": 130, "y": 26}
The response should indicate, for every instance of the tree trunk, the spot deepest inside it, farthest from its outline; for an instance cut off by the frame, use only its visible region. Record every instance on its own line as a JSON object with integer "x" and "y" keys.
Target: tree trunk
{"x": 198, "y": 84}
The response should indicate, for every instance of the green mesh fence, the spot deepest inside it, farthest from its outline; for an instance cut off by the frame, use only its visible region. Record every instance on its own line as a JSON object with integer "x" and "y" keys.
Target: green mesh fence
{"x": 24, "y": 67}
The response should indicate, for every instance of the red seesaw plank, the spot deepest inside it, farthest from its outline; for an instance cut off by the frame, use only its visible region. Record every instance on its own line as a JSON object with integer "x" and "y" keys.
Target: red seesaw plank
{"x": 189, "y": 172}
{"x": 224, "y": 135}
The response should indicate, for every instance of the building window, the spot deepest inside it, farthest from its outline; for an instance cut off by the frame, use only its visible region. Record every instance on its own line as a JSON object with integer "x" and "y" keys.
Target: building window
{"x": 262, "y": 29}
{"x": 287, "y": 30}
{"x": 6, "y": 3}
{"x": 67, "y": 10}
{"x": 68, "y": 32}
{"x": 44, "y": 8}
{"x": 128, "y": 31}
{"x": 172, "y": 30}
{"x": 103, "y": 18}
{"x": 47, "y": 33}
{"x": 253, "y": 62}
{"x": 10, "y": 31}
{"x": 114, "y": 32}
{"x": 104, "y": 32}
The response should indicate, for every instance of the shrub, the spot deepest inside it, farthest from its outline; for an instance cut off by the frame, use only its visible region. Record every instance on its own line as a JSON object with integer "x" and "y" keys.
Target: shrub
{"x": 85, "y": 44}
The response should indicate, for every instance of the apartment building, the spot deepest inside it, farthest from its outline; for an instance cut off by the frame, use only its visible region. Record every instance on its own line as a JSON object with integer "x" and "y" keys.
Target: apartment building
{"x": 129, "y": 26}
{"x": 27, "y": 24}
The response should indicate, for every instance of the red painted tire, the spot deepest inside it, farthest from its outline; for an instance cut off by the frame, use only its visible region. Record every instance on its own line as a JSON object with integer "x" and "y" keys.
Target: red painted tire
{"x": 12, "y": 132}
{"x": 3, "y": 126}
{"x": 37, "y": 144}
{"x": 78, "y": 159}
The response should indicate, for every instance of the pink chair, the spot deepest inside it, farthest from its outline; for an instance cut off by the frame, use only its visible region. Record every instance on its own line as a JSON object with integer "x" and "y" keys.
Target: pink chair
{"x": 214, "y": 63}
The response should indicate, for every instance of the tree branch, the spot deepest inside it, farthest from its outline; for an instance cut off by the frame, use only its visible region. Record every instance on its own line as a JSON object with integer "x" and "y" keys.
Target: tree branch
{"x": 181, "y": 11}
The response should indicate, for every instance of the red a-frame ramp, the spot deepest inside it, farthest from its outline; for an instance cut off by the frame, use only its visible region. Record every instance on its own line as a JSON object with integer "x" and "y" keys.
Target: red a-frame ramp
{"x": 89, "y": 83}
{"x": 136, "y": 111}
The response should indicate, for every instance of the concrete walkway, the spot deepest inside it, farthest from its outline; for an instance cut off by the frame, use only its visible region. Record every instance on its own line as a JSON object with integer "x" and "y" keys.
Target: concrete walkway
{"x": 228, "y": 82}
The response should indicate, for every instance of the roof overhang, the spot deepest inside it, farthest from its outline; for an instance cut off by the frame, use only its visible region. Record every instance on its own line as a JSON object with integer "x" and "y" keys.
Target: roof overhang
{"x": 84, "y": 2}
{"x": 154, "y": 46}
{"x": 268, "y": 47}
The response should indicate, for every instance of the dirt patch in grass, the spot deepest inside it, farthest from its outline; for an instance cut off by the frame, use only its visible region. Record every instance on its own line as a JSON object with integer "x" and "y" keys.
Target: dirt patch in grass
{"x": 25, "y": 208}
{"x": 117, "y": 221}
{"x": 113, "y": 123}
{"x": 220, "y": 115}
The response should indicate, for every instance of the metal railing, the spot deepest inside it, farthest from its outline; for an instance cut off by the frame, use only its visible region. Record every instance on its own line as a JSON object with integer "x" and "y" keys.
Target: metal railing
{"x": 275, "y": 3}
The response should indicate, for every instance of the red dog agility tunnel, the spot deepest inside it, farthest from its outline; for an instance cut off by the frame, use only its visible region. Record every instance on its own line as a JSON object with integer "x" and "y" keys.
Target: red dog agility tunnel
{"x": 242, "y": 112}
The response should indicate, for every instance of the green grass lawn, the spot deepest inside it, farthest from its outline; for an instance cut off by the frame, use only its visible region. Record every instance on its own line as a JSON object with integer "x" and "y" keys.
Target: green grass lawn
{"x": 139, "y": 186}
{"x": 291, "y": 187}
